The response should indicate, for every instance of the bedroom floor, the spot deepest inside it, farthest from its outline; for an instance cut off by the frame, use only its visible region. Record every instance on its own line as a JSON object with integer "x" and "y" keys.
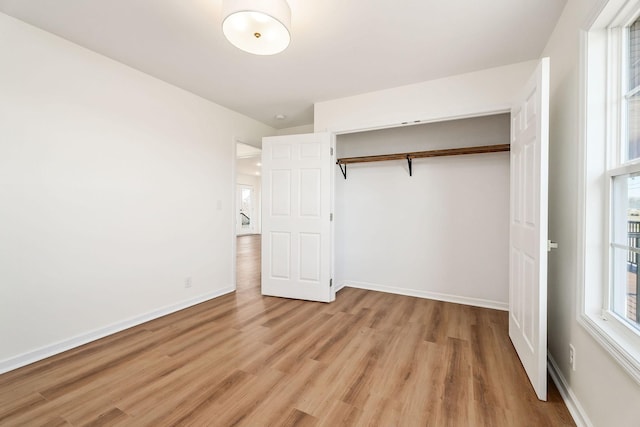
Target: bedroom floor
{"x": 369, "y": 358}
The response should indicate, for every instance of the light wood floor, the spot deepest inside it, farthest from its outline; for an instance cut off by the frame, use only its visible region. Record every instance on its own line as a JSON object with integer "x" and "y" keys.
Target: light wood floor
{"x": 368, "y": 359}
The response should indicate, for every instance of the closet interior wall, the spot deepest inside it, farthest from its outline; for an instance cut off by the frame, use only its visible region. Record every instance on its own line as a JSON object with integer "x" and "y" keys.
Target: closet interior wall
{"x": 442, "y": 233}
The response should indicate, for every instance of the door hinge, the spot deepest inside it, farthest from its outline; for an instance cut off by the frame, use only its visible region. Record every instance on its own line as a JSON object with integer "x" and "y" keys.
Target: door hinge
{"x": 551, "y": 245}
{"x": 332, "y": 151}
{"x": 330, "y": 283}
{"x": 331, "y": 217}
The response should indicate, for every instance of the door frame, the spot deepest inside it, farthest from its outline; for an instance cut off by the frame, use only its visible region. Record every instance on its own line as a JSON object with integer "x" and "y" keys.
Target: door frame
{"x": 234, "y": 203}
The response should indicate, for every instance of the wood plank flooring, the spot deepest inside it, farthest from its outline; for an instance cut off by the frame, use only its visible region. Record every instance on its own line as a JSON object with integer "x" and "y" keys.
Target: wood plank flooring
{"x": 368, "y": 359}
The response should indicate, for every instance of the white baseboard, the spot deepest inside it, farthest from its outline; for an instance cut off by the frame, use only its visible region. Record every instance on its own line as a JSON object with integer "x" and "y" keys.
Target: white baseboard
{"x": 575, "y": 408}
{"x": 62, "y": 346}
{"x": 477, "y": 302}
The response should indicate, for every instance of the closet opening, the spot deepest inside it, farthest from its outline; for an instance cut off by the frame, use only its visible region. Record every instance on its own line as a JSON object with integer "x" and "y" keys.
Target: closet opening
{"x": 428, "y": 226}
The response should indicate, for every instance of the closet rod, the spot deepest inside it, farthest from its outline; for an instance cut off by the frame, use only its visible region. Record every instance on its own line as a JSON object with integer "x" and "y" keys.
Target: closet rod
{"x": 421, "y": 155}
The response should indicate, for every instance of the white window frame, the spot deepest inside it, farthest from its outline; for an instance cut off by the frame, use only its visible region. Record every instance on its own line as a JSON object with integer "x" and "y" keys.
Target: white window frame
{"x": 603, "y": 127}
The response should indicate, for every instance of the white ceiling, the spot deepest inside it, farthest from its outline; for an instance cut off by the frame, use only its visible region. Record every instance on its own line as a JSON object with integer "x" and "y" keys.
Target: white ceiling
{"x": 339, "y": 47}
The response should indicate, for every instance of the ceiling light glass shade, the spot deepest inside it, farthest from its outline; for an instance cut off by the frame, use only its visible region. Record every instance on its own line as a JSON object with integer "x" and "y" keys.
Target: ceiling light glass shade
{"x": 260, "y": 27}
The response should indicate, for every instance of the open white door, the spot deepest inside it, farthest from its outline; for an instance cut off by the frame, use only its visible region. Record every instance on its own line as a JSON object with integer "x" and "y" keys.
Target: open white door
{"x": 528, "y": 227}
{"x": 296, "y": 223}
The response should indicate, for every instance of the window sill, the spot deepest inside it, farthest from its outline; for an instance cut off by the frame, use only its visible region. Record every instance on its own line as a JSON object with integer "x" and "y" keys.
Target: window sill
{"x": 614, "y": 341}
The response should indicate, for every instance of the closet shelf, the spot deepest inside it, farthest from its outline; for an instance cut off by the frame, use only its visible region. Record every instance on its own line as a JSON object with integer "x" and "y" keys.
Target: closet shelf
{"x": 421, "y": 155}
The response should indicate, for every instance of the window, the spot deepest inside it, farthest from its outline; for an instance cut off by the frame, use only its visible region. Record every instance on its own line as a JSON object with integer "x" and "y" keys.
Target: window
{"x": 610, "y": 203}
{"x": 625, "y": 185}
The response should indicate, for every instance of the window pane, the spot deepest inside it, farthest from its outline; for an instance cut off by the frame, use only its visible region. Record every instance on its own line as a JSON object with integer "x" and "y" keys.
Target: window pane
{"x": 634, "y": 54}
{"x": 626, "y": 235}
{"x": 633, "y": 126}
{"x": 626, "y": 207}
{"x": 626, "y": 282}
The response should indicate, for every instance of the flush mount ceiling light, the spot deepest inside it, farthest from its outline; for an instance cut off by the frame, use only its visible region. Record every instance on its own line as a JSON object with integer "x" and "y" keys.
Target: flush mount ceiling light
{"x": 260, "y": 27}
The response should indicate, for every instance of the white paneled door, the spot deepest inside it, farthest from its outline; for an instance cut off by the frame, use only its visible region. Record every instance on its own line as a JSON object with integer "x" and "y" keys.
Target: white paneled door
{"x": 528, "y": 227}
{"x": 296, "y": 223}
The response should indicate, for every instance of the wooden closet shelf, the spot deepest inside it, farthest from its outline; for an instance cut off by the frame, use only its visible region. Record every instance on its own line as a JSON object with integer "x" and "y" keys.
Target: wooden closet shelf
{"x": 421, "y": 155}
{"x": 424, "y": 154}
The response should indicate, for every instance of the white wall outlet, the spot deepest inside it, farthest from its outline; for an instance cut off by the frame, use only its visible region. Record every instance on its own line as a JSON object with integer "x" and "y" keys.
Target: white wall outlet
{"x": 572, "y": 357}
{"x": 187, "y": 282}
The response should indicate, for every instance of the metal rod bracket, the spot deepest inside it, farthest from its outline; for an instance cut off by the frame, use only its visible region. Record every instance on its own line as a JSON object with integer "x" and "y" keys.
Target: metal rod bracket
{"x": 343, "y": 170}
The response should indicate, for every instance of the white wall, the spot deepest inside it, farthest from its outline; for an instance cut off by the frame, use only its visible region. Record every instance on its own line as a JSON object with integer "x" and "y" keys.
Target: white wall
{"x": 256, "y": 183}
{"x": 114, "y": 188}
{"x": 472, "y": 94}
{"x": 607, "y": 395}
{"x": 296, "y": 130}
{"x": 442, "y": 233}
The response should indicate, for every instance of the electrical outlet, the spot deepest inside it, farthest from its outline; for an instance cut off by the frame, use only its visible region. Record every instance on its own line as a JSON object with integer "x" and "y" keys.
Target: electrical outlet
{"x": 187, "y": 282}
{"x": 572, "y": 357}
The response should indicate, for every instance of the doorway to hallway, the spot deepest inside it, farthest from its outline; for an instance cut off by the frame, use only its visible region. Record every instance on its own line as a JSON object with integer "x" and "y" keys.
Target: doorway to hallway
{"x": 248, "y": 189}
{"x": 248, "y": 248}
